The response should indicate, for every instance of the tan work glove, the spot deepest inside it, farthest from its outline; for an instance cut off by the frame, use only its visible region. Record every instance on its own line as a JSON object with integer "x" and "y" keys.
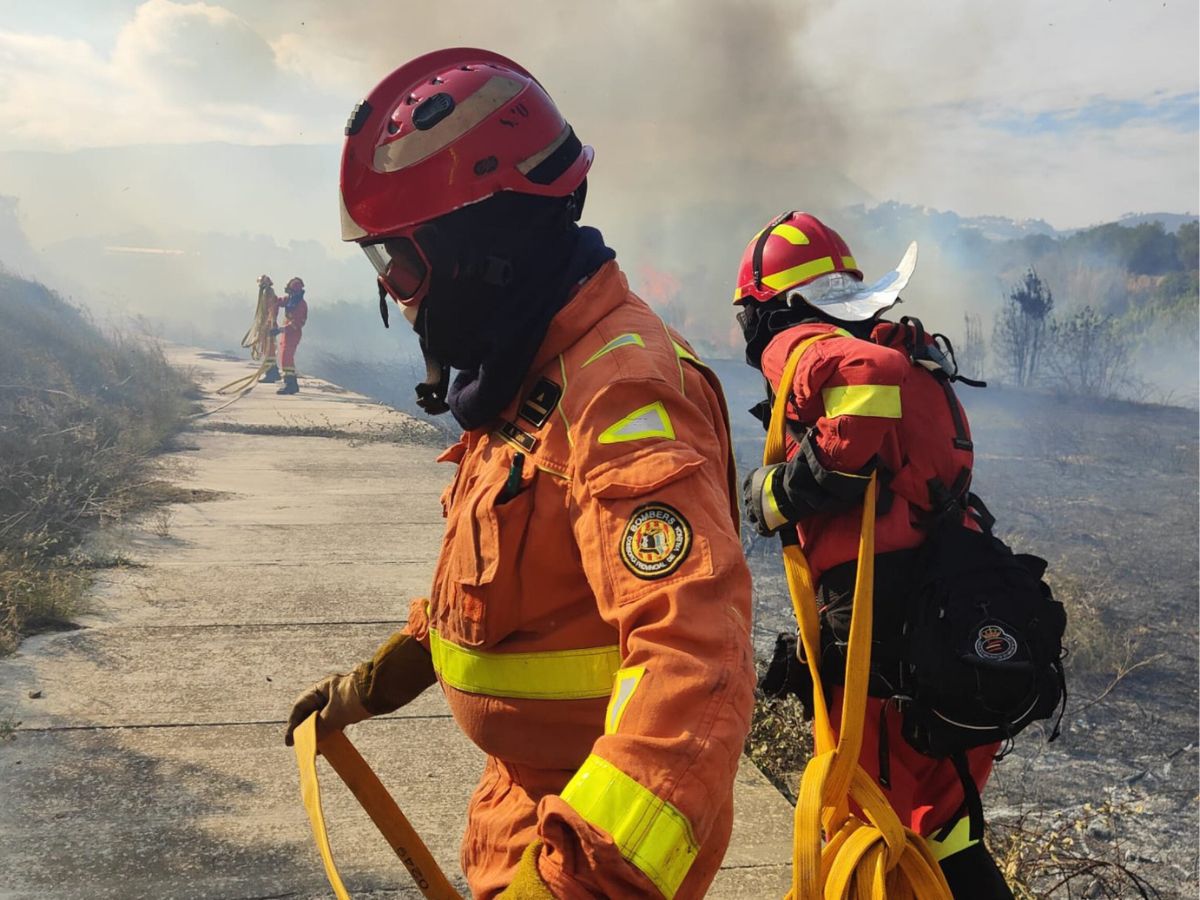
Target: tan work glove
{"x": 336, "y": 701}
{"x": 398, "y": 672}
{"x": 527, "y": 883}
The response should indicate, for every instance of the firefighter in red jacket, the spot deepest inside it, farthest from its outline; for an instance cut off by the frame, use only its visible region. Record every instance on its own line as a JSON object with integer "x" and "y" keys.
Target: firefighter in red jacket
{"x": 295, "y": 314}
{"x": 589, "y": 616}
{"x": 860, "y": 407}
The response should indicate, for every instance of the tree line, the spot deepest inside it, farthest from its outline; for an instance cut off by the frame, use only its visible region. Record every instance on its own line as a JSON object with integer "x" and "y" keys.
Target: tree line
{"x": 1127, "y": 289}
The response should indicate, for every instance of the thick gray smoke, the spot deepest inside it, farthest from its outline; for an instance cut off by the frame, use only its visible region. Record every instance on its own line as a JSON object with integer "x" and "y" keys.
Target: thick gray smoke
{"x": 221, "y": 127}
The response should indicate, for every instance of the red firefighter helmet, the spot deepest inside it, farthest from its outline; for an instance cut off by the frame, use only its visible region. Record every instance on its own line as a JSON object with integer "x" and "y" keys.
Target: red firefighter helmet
{"x": 448, "y": 129}
{"x": 792, "y": 250}
{"x": 296, "y": 283}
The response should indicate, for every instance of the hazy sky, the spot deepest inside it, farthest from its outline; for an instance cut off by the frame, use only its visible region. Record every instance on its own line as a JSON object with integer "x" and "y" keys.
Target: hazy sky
{"x": 1074, "y": 111}
{"x": 212, "y": 131}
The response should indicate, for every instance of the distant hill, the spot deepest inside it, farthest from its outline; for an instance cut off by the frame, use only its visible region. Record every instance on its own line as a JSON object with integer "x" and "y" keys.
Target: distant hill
{"x": 1171, "y": 222}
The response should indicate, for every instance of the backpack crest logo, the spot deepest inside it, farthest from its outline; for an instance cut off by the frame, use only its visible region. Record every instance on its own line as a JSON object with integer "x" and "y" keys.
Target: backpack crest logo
{"x": 994, "y": 644}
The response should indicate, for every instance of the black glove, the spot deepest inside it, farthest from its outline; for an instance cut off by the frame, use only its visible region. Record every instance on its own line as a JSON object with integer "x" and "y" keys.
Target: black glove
{"x": 275, "y": 331}
{"x": 785, "y": 493}
{"x": 766, "y": 501}
{"x": 787, "y": 675}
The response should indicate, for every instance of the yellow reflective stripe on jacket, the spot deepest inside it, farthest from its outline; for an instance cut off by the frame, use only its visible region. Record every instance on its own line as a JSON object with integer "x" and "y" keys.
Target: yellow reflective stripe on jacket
{"x": 957, "y": 840}
{"x": 650, "y": 832}
{"x": 880, "y": 400}
{"x": 551, "y": 675}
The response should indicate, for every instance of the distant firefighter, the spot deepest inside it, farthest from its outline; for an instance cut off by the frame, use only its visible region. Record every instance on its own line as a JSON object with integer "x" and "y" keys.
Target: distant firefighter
{"x": 260, "y": 337}
{"x": 295, "y": 314}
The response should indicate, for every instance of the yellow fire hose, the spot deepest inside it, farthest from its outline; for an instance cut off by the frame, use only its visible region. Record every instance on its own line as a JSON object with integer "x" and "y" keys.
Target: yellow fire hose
{"x": 258, "y": 336}
{"x": 876, "y": 859}
{"x": 258, "y": 340}
{"x": 375, "y": 799}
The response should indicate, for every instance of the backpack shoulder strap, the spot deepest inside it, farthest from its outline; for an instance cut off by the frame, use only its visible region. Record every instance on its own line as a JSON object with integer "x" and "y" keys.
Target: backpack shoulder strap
{"x": 774, "y": 449}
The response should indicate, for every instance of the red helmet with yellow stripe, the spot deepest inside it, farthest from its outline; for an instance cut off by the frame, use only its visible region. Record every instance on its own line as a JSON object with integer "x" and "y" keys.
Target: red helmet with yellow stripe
{"x": 792, "y": 250}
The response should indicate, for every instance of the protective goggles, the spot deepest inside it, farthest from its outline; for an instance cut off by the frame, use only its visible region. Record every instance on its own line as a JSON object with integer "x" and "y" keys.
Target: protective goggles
{"x": 402, "y": 268}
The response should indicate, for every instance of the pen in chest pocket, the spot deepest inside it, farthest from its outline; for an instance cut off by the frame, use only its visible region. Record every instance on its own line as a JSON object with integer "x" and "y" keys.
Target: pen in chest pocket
{"x": 512, "y": 485}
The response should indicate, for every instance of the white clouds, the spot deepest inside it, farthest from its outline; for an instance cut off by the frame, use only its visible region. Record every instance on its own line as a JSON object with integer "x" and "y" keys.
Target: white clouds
{"x": 177, "y": 73}
{"x": 961, "y": 105}
{"x": 193, "y": 51}
{"x": 45, "y": 82}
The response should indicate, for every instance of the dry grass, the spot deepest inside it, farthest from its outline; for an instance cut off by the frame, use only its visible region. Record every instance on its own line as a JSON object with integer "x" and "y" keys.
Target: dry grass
{"x": 1078, "y": 855}
{"x": 780, "y": 742}
{"x": 1042, "y": 854}
{"x": 82, "y": 414}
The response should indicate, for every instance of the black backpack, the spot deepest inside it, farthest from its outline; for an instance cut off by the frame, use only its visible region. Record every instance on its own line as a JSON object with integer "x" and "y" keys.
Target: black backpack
{"x": 967, "y": 638}
{"x": 981, "y": 645}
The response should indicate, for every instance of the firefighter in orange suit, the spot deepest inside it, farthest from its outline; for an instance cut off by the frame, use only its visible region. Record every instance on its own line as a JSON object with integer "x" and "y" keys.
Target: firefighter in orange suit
{"x": 861, "y": 406}
{"x": 589, "y": 616}
{"x": 295, "y": 315}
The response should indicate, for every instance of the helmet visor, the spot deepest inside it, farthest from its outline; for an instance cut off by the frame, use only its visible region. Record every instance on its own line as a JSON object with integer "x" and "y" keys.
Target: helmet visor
{"x": 401, "y": 266}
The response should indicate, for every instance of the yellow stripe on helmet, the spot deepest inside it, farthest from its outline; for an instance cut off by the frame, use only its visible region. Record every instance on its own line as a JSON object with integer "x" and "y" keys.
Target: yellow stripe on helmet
{"x": 791, "y": 234}
{"x": 780, "y": 281}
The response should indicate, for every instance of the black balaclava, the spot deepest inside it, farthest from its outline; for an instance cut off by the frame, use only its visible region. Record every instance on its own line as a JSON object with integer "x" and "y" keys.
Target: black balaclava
{"x": 499, "y": 271}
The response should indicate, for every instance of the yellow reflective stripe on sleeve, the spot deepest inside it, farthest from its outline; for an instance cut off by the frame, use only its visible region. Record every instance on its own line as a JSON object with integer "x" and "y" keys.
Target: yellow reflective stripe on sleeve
{"x": 775, "y": 516}
{"x": 625, "y": 683}
{"x": 785, "y": 279}
{"x": 551, "y": 675}
{"x": 650, "y": 832}
{"x": 957, "y": 840}
{"x": 791, "y": 234}
{"x": 849, "y": 263}
{"x": 648, "y": 422}
{"x": 879, "y": 400}
{"x": 624, "y": 340}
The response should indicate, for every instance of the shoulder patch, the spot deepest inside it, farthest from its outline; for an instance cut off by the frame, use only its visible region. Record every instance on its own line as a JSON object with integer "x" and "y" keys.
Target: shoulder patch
{"x": 656, "y": 541}
{"x": 623, "y": 340}
{"x": 540, "y": 403}
{"x": 648, "y": 422}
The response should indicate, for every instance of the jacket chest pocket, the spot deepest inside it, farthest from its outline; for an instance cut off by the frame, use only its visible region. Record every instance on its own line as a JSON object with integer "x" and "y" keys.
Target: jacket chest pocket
{"x": 480, "y": 602}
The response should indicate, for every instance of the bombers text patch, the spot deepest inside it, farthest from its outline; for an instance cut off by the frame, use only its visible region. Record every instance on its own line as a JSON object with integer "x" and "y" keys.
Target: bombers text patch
{"x": 656, "y": 541}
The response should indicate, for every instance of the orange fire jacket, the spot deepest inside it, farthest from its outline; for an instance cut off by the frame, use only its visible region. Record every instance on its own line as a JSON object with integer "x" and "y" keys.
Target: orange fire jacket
{"x": 590, "y": 610}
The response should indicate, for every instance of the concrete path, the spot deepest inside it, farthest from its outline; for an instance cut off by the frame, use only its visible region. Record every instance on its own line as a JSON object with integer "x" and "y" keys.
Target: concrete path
{"x": 149, "y": 761}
